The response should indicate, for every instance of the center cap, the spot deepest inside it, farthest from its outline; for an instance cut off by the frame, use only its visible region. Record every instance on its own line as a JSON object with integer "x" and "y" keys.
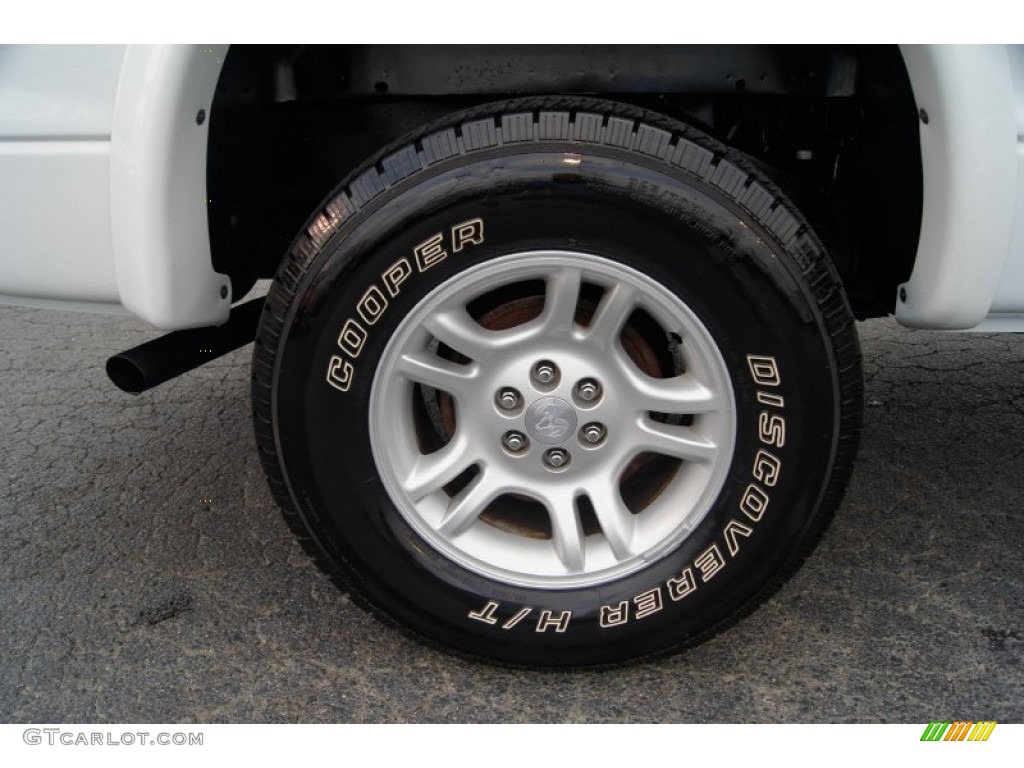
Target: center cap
{"x": 550, "y": 420}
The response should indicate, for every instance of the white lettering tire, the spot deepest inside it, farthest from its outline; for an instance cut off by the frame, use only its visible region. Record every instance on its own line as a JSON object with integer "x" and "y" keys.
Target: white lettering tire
{"x": 558, "y": 382}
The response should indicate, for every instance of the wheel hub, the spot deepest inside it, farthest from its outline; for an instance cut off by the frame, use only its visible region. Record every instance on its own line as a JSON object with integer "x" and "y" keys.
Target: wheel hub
{"x": 550, "y": 420}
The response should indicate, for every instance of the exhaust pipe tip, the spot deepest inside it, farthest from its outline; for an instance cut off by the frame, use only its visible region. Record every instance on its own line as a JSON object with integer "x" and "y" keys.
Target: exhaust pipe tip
{"x": 143, "y": 367}
{"x": 126, "y": 376}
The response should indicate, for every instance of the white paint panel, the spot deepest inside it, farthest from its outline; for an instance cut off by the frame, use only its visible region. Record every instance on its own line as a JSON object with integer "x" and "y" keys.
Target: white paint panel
{"x": 968, "y": 150}
{"x": 1000, "y": 323}
{"x": 55, "y": 220}
{"x": 64, "y": 306}
{"x": 158, "y": 186}
{"x": 58, "y": 91}
{"x": 1010, "y": 293}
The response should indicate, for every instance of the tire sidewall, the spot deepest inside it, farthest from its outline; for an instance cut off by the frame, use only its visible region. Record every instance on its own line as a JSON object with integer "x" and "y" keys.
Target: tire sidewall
{"x": 704, "y": 248}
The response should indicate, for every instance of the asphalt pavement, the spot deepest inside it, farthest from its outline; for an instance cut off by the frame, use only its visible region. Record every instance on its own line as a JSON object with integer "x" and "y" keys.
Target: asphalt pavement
{"x": 146, "y": 576}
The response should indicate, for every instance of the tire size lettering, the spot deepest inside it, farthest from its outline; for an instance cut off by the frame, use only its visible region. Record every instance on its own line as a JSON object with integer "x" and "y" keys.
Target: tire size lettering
{"x": 643, "y": 605}
{"x": 546, "y": 620}
{"x": 467, "y": 233}
{"x": 647, "y": 603}
{"x": 709, "y": 563}
{"x": 764, "y": 371}
{"x": 395, "y": 275}
{"x": 754, "y": 502}
{"x": 339, "y": 373}
{"x": 765, "y": 473}
{"x": 766, "y": 468}
{"x": 732, "y": 530}
{"x": 377, "y": 298}
{"x": 429, "y": 252}
{"x": 613, "y": 615}
{"x": 673, "y": 204}
{"x": 549, "y": 619}
{"x": 372, "y": 305}
{"x": 771, "y": 429}
{"x": 352, "y": 338}
{"x": 682, "y": 585}
{"x": 485, "y": 614}
{"x": 521, "y": 614}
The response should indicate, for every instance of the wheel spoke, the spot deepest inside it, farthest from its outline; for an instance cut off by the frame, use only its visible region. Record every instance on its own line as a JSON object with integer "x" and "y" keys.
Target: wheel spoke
{"x": 437, "y": 372}
{"x": 617, "y": 522}
{"x": 462, "y": 333}
{"x": 616, "y": 306}
{"x": 562, "y": 294}
{"x": 673, "y": 440}
{"x": 434, "y": 470}
{"x": 567, "y": 533}
{"x": 679, "y": 395}
{"x": 614, "y": 408}
{"x": 465, "y": 508}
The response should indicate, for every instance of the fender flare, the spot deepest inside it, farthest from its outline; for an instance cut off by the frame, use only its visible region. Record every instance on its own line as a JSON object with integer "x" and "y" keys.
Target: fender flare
{"x": 158, "y": 186}
{"x": 968, "y": 131}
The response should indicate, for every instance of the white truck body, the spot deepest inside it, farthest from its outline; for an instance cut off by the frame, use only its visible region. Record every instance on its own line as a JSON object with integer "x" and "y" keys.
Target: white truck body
{"x": 103, "y": 195}
{"x": 103, "y": 203}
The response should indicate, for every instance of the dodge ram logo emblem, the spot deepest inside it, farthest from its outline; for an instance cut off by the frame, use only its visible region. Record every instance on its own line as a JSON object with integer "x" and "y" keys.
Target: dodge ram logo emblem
{"x": 550, "y": 420}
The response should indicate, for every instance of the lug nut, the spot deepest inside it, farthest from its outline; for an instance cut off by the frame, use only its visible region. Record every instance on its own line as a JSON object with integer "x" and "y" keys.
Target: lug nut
{"x": 593, "y": 433}
{"x": 556, "y": 458}
{"x": 588, "y": 390}
{"x": 514, "y": 441}
{"x": 545, "y": 372}
{"x": 507, "y": 399}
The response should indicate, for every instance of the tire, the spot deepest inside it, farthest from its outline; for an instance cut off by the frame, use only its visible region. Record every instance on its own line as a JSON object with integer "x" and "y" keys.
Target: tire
{"x": 558, "y": 382}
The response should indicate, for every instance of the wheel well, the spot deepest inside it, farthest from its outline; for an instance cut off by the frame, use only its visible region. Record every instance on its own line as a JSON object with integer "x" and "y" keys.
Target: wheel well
{"x": 834, "y": 126}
